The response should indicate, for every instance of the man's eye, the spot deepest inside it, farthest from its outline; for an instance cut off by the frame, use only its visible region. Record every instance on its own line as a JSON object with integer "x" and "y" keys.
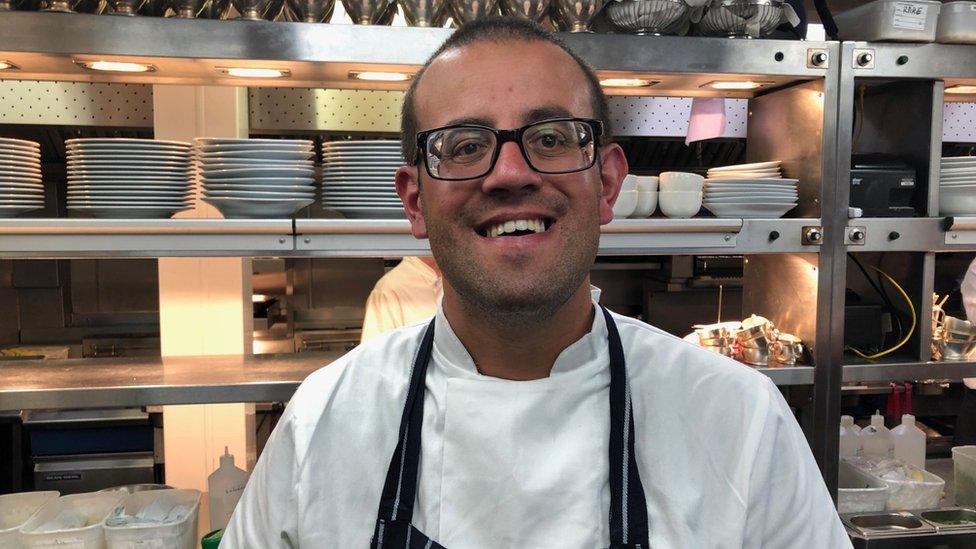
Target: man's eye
{"x": 467, "y": 148}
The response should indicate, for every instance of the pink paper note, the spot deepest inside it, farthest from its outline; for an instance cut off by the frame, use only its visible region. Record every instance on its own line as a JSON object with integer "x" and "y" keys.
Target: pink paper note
{"x": 707, "y": 119}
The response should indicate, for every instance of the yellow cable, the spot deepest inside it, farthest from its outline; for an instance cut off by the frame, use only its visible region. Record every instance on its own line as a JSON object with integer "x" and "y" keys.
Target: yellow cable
{"x": 911, "y": 308}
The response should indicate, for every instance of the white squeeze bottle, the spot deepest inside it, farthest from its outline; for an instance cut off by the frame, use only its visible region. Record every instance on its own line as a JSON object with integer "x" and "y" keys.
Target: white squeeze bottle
{"x": 226, "y": 485}
{"x": 850, "y": 444}
{"x": 909, "y": 442}
{"x": 876, "y": 438}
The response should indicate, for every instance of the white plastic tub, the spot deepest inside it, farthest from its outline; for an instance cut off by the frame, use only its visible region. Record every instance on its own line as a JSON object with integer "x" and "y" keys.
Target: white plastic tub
{"x": 94, "y": 507}
{"x": 890, "y": 20}
{"x": 957, "y": 23}
{"x": 859, "y": 492}
{"x": 176, "y": 535}
{"x": 17, "y": 509}
{"x": 964, "y": 474}
{"x": 922, "y": 490}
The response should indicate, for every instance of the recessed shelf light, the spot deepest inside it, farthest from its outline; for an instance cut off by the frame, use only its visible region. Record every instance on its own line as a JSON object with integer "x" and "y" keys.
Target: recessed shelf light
{"x": 734, "y": 85}
{"x": 626, "y": 83}
{"x": 961, "y": 89}
{"x": 254, "y": 72}
{"x": 7, "y": 65}
{"x": 380, "y": 76}
{"x": 116, "y": 66}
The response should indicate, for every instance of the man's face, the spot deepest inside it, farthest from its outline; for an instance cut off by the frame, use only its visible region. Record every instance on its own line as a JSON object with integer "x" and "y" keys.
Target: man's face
{"x": 507, "y": 85}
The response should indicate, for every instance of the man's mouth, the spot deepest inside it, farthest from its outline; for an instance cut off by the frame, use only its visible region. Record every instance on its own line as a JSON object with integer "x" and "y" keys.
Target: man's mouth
{"x": 516, "y": 227}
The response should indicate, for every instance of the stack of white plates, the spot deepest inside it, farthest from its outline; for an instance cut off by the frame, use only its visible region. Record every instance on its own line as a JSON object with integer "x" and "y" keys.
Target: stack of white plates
{"x": 256, "y": 178}
{"x": 957, "y": 186}
{"x": 750, "y": 191}
{"x": 21, "y": 188}
{"x": 357, "y": 178}
{"x": 128, "y": 178}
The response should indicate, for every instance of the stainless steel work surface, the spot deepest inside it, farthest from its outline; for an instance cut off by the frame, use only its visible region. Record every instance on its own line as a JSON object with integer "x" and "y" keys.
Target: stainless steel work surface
{"x": 90, "y": 383}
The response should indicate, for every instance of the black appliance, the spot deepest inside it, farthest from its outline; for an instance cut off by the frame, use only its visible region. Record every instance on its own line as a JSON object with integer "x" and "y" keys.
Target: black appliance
{"x": 882, "y": 185}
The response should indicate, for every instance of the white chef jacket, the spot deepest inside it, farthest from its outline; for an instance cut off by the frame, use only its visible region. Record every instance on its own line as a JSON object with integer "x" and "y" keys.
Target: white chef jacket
{"x": 968, "y": 289}
{"x": 525, "y": 463}
{"x": 408, "y": 294}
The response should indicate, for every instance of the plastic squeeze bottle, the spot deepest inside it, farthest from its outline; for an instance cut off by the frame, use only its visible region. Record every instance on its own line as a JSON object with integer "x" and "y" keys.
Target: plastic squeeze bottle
{"x": 909, "y": 442}
{"x": 850, "y": 444}
{"x": 226, "y": 485}
{"x": 876, "y": 438}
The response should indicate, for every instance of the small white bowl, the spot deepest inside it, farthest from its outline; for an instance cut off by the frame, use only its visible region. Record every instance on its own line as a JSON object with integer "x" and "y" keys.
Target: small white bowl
{"x": 647, "y": 183}
{"x": 630, "y": 183}
{"x": 646, "y": 204}
{"x": 680, "y": 204}
{"x": 681, "y": 181}
{"x": 625, "y": 204}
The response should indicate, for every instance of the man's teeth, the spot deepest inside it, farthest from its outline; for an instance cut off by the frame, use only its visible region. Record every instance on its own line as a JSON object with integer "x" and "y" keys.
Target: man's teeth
{"x": 534, "y": 225}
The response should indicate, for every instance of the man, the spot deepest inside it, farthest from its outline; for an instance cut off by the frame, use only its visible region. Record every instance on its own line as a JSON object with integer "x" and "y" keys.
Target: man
{"x": 524, "y": 415}
{"x": 408, "y": 294}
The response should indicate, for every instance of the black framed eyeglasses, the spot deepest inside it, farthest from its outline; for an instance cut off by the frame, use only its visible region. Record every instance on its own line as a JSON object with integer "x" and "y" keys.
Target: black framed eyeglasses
{"x": 469, "y": 151}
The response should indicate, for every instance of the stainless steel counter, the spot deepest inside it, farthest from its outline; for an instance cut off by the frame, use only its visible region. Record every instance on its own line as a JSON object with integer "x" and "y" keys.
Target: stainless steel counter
{"x": 89, "y": 383}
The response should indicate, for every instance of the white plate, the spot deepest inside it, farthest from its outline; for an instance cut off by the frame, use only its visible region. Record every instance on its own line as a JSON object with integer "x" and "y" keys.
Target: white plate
{"x": 21, "y": 191}
{"x": 363, "y": 143}
{"x": 261, "y": 187}
{"x": 782, "y": 182}
{"x": 129, "y": 165}
{"x": 21, "y": 199}
{"x": 123, "y": 141}
{"x": 257, "y": 172}
{"x": 751, "y": 200}
{"x": 13, "y": 211}
{"x": 359, "y": 192}
{"x": 748, "y": 167}
{"x": 363, "y": 200}
{"x": 235, "y": 165}
{"x": 127, "y": 212}
{"x": 129, "y": 150}
{"x": 372, "y": 213}
{"x": 753, "y": 197}
{"x": 18, "y": 143}
{"x": 751, "y": 189}
{"x": 753, "y": 211}
{"x": 258, "y": 194}
{"x": 744, "y": 175}
{"x": 378, "y": 154}
{"x": 249, "y": 141}
{"x": 254, "y": 155}
{"x": 958, "y": 183}
{"x": 257, "y": 207}
{"x": 8, "y": 167}
{"x": 259, "y": 181}
{"x": 957, "y": 171}
{"x": 21, "y": 156}
{"x": 129, "y": 156}
{"x": 118, "y": 192}
{"x": 128, "y": 182}
{"x": 20, "y": 178}
{"x": 21, "y": 185}
{"x": 251, "y": 149}
{"x": 946, "y": 160}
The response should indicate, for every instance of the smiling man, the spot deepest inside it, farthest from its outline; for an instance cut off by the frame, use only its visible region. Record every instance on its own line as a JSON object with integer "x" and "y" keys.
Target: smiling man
{"x": 523, "y": 414}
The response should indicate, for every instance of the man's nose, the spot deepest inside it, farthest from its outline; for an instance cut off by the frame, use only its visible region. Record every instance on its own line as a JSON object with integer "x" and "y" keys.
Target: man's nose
{"x": 511, "y": 173}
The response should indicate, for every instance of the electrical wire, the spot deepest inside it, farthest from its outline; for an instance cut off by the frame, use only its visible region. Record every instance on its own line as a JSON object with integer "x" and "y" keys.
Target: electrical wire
{"x": 881, "y": 292}
{"x": 911, "y": 308}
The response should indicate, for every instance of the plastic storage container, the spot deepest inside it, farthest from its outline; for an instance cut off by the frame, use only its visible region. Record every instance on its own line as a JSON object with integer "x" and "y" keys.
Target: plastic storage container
{"x": 921, "y": 490}
{"x": 94, "y": 507}
{"x": 876, "y": 439}
{"x": 859, "y": 492}
{"x": 175, "y": 535}
{"x": 957, "y": 23}
{"x": 909, "y": 442}
{"x": 964, "y": 474}
{"x": 226, "y": 486}
{"x": 890, "y": 20}
{"x": 850, "y": 444}
{"x": 17, "y": 509}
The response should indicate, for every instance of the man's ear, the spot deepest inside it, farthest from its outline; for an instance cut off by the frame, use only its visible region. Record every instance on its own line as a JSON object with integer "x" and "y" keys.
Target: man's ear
{"x": 613, "y": 170}
{"x": 408, "y": 188}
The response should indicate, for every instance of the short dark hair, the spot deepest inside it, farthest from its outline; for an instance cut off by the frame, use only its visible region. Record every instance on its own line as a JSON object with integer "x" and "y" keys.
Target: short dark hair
{"x": 497, "y": 29}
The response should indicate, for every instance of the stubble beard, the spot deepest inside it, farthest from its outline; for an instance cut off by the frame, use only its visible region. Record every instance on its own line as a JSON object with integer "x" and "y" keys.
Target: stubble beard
{"x": 509, "y": 299}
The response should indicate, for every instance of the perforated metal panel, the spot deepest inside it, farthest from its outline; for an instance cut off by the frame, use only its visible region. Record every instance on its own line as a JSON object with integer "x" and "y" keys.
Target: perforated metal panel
{"x": 668, "y": 116}
{"x": 959, "y": 123}
{"x": 75, "y": 103}
{"x": 278, "y": 109}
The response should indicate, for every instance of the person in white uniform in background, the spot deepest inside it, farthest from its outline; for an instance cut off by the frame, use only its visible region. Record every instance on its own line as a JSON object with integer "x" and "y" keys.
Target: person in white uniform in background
{"x": 965, "y": 429}
{"x": 408, "y": 294}
{"x": 526, "y": 415}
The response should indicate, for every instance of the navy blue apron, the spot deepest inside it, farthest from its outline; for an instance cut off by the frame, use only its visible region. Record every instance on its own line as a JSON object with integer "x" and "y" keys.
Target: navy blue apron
{"x": 628, "y": 509}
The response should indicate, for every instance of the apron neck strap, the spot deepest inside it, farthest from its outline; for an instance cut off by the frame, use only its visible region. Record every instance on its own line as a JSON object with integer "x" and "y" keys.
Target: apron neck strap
{"x": 628, "y": 508}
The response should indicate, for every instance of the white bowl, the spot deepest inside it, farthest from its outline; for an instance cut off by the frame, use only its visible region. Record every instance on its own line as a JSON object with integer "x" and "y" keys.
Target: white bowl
{"x": 647, "y": 183}
{"x": 646, "y": 204}
{"x": 680, "y": 204}
{"x": 630, "y": 183}
{"x": 625, "y": 204}
{"x": 681, "y": 181}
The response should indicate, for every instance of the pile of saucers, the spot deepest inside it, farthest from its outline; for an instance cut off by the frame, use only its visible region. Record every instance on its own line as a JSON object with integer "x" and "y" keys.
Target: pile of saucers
{"x": 128, "y": 178}
{"x": 750, "y": 191}
{"x": 957, "y": 185}
{"x": 21, "y": 187}
{"x": 256, "y": 178}
{"x": 357, "y": 178}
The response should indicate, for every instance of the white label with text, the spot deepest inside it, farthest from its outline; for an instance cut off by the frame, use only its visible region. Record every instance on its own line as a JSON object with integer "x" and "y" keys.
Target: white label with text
{"x": 910, "y": 16}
